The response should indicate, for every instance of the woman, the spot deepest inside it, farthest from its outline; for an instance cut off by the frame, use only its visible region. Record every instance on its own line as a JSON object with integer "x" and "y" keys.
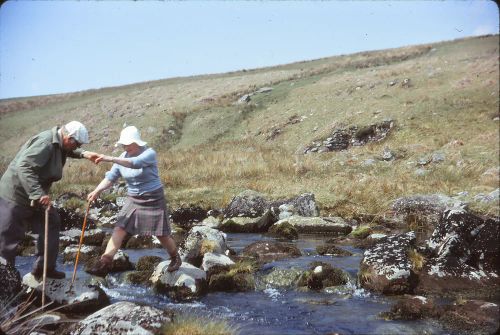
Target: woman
{"x": 145, "y": 211}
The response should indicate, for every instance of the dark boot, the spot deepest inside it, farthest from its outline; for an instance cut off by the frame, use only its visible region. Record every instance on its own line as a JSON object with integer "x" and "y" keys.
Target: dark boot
{"x": 51, "y": 273}
{"x": 102, "y": 267}
{"x": 175, "y": 262}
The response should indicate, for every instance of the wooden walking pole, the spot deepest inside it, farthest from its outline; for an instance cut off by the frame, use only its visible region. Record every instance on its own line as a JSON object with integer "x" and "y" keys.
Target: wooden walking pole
{"x": 45, "y": 253}
{"x": 79, "y": 246}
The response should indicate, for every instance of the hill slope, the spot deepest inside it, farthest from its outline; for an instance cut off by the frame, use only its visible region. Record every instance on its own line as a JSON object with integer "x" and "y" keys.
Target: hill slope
{"x": 443, "y": 99}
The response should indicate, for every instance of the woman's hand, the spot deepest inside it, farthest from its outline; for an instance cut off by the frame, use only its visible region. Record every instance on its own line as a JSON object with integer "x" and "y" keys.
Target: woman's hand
{"x": 91, "y": 156}
{"x": 93, "y": 195}
{"x": 103, "y": 158}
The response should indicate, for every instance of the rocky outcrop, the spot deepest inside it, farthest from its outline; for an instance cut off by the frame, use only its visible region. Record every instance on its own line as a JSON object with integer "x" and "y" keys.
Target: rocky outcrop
{"x": 11, "y": 282}
{"x": 248, "y": 203}
{"x": 342, "y": 138}
{"x": 81, "y": 297}
{"x": 200, "y": 240}
{"x": 123, "y": 318}
{"x": 462, "y": 256}
{"x": 386, "y": 267}
{"x": 268, "y": 251}
{"x": 183, "y": 284}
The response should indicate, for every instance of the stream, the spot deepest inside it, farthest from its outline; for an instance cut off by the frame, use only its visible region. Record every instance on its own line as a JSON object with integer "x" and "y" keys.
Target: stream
{"x": 275, "y": 310}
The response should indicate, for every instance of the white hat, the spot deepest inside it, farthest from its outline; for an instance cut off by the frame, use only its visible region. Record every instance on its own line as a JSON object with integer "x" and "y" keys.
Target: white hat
{"x": 130, "y": 135}
{"x": 77, "y": 131}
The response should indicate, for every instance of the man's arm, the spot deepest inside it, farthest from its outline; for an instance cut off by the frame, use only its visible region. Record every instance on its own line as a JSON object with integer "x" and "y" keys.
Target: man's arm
{"x": 28, "y": 166}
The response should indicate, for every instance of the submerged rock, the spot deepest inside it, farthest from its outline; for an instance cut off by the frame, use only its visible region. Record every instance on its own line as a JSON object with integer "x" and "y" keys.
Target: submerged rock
{"x": 322, "y": 275}
{"x": 267, "y": 251}
{"x": 330, "y": 249}
{"x": 413, "y": 308}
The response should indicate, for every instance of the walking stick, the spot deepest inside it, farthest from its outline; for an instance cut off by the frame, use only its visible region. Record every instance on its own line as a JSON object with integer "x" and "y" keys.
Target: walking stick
{"x": 79, "y": 246}
{"x": 45, "y": 253}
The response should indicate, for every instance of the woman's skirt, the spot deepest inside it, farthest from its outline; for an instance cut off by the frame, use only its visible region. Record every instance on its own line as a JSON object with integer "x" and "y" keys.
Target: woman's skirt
{"x": 145, "y": 214}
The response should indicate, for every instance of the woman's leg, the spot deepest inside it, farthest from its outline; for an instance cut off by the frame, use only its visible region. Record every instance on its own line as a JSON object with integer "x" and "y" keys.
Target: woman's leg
{"x": 169, "y": 244}
{"x": 115, "y": 242}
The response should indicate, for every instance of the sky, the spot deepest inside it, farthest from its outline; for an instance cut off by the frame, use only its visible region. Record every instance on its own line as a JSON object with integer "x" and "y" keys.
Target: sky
{"x": 49, "y": 47}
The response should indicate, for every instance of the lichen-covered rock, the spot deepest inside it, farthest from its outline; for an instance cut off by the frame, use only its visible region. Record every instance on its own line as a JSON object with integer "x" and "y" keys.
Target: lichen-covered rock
{"x": 81, "y": 297}
{"x": 231, "y": 282}
{"x": 473, "y": 317}
{"x": 462, "y": 256}
{"x": 330, "y": 249}
{"x": 280, "y": 278}
{"x": 123, "y": 318}
{"x": 387, "y": 268}
{"x": 200, "y": 240}
{"x": 302, "y": 205}
{"x": 423, "y": 212}
{"x": 90, "y": 237}
{"x": 267, "y": 251}
{"x": 11, "y": 282}
{"x": 248, "y": 204}
{"x": 330, "y": 225}
{"x": 183, "y": 284}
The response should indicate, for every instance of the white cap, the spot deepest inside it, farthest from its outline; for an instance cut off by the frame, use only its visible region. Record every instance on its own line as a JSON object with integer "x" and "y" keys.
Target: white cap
{"x": 130, "y": 135}
{"x": 77, "y": 131}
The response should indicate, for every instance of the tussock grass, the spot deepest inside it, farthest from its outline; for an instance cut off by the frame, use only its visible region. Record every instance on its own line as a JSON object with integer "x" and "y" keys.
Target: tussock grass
{"x": 199, "y": 326}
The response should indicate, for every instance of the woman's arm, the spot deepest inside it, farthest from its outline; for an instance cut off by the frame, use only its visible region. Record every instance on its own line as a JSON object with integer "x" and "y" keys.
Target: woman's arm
{"x": 117, "y": 160}
{"x": 103, "y": 185}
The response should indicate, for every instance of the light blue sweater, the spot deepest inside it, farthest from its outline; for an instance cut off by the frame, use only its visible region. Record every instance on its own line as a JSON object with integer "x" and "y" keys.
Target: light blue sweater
{"x": 142, "y": 177}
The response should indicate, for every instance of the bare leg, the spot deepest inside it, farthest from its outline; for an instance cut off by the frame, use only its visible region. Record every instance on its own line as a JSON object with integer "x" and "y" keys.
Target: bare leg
{"x": 168, "y": 243}
{"x": 115, "y": 242}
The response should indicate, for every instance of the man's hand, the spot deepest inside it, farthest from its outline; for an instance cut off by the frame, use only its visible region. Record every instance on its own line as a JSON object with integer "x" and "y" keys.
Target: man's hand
{"x": 92, "y": 156}
{"x": 44, "y": 200}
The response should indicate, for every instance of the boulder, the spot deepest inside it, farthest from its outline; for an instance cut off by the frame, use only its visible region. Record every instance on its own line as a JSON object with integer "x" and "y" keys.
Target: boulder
{"x": 412, "y": 308}
{"x": 330, "y": 225}
{"x": 462, "y": 256}
{"x": 202, "y": 239}
{"x": 247, "y": 224}
{"x": 120, "y": 262}
{"x": 185, "y": 217}
{"x": 386, "y": 267}
{"x": 82, "y": 297}
{"x": 268, "y": 251}
{"x": 11, "y": 282}
{"x": 423, "y": 212}
{"x": 280, "y": 278}
{"x": 211, "y": 259}
{"x": 183, "y": 284}
{"x": 123, "y": 318}
{"x": 248, "y": 204}
{"x": 302, "y": 205}
{"x": 91, "y": 236}
{"x": 322, "y": 275}
{"x": 284, "y": 230}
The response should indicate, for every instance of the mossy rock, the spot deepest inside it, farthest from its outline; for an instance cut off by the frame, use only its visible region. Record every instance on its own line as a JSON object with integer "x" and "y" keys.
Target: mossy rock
{"x": 228, "y": 282}
{"x": 148, "y": 263}
{"x": 138, "y": 277}
{"x": 362, "y": 232}
{"x": 285, "y": 230}
{"x": 328, "y": 276}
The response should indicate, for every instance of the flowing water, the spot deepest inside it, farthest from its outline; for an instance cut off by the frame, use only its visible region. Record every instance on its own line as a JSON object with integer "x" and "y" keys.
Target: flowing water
{"x": 275, "y": 310}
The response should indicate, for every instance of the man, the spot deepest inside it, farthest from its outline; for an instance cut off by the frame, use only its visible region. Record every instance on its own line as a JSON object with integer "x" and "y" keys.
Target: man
{"x": 24, "y": 192}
